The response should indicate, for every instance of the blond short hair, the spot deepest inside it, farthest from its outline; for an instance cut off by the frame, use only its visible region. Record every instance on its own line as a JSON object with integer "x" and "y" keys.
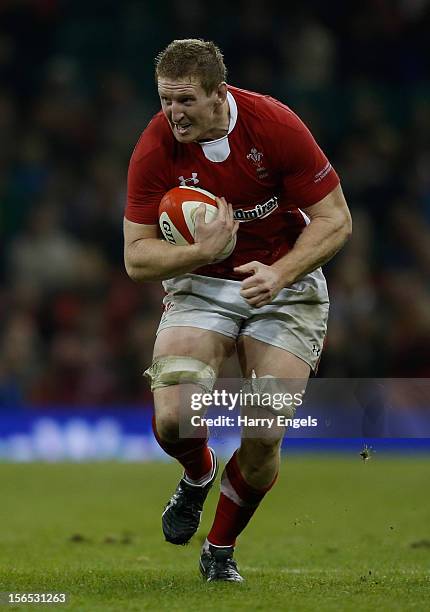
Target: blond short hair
{"x": 192, "y": 57}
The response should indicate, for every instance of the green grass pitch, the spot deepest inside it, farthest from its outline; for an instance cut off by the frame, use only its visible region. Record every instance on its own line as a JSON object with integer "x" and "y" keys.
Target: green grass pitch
{"x": 334, "y": 534}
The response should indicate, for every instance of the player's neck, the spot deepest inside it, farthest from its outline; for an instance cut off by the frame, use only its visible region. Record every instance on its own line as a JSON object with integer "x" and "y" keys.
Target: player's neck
{"x": 222, "y": 123}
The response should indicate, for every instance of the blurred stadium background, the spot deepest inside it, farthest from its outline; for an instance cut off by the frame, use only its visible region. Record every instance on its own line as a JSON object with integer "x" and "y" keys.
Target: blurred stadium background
{"x": 76, "y": 90}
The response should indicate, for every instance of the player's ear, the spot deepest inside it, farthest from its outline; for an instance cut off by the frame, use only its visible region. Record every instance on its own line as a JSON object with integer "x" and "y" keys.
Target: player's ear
{"x": 222, "y": 92}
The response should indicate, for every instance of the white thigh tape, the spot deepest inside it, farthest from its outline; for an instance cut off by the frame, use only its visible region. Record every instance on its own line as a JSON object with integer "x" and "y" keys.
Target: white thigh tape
{"x": 176, "y": 370}
{"x": 278, "y": 396}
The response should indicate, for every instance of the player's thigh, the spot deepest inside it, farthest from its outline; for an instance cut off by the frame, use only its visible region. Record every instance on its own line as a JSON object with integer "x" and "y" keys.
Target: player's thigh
{"x": 173, "y": 402}
{"x": 206, "y": 345}
{"x": 265, "y": 359}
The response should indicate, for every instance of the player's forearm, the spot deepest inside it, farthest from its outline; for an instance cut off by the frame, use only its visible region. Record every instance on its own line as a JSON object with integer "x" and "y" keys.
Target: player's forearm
{"x": 316, "y": 245}
{"x": 151, "y": 259}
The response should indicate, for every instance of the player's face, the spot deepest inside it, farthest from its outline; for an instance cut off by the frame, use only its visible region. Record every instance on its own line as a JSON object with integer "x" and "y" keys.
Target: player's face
{"x": 194, "y": 115}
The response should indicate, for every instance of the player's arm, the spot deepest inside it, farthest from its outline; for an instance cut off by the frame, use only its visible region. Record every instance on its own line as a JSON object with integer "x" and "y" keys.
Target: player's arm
{"x": 147, "y": 258}
{"x": 329, "y": 228}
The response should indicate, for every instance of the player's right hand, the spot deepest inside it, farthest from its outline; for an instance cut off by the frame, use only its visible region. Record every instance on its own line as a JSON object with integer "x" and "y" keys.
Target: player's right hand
{"x": 214, "y": 236}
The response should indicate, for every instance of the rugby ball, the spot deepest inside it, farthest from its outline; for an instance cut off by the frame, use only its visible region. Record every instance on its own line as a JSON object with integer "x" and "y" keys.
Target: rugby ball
{"x": 176, "y": 216}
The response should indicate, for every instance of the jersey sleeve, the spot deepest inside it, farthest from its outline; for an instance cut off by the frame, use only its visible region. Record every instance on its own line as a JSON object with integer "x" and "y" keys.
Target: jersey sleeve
{"x": 307, "y": 174}
{"x": 147, "y": 181}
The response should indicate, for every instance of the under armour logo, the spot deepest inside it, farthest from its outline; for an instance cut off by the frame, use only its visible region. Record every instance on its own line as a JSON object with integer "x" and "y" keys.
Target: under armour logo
{"x": 316, "y": 350}
{"x": 193, "y": 179}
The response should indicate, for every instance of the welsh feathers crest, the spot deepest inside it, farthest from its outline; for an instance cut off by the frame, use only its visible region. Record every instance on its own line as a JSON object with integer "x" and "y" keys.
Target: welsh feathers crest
{"x": 255, "y": 156}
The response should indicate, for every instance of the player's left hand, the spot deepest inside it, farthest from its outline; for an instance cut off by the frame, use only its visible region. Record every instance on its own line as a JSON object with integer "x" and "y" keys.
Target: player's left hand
{"x": 263, "y": 284}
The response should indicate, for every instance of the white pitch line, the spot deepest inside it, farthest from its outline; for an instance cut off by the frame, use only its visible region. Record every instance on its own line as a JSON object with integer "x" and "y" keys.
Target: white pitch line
{"x": 335, "y": 570}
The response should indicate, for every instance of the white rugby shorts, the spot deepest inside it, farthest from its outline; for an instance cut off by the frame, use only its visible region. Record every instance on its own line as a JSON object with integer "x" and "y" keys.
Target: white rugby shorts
{"x": 295, "y": 321}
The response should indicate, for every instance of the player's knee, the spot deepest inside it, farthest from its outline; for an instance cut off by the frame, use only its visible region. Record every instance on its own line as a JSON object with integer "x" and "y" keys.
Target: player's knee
{"x": 167, "y": 427}
{"x": 259, "y": 450}
{"x": 267, "y": 444}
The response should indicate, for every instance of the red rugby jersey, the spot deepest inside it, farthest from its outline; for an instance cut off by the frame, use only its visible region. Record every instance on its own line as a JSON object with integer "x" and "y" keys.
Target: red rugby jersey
{"x": 268, "y": 166}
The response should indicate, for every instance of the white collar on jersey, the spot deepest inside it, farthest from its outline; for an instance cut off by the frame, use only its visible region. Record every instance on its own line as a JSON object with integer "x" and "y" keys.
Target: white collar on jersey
{"x": 218, "y": 150}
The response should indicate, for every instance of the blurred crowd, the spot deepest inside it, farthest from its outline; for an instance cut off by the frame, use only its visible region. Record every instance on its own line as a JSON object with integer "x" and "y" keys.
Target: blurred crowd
{"x": 76, "y": 90}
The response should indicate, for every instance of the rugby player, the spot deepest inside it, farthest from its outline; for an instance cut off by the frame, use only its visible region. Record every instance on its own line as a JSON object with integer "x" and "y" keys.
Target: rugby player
{"x": 268, "y": 300}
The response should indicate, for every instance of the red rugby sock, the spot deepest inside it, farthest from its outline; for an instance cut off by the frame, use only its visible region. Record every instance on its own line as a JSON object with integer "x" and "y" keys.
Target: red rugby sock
{"x": 237, "y": 503}
{"x": 192, "y": 453}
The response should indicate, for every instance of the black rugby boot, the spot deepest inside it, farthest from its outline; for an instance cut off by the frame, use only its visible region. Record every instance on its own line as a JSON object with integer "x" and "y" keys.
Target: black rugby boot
{"x": 182, "y": 514}
{"x": 217, "y": 563}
